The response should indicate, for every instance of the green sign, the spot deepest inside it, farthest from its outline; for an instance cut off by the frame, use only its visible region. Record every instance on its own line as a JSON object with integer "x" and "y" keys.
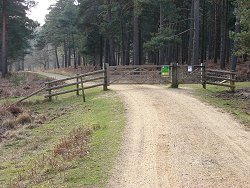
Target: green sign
{"x": 165, "y": 71}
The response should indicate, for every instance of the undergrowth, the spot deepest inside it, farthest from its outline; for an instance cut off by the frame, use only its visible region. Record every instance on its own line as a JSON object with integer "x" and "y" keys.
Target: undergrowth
{"x": 74, "y": 144}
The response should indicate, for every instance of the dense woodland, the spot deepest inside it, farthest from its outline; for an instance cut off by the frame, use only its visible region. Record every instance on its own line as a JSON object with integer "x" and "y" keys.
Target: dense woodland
{"x": 127, "y": 32}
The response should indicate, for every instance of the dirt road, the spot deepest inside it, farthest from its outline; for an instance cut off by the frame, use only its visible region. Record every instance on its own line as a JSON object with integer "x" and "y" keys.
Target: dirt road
{"x": 174, "y": 140}
{"x": 52, "y": 75}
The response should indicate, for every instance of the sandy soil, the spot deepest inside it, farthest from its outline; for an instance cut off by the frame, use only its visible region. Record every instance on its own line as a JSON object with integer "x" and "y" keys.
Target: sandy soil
{"x": 174, "y": 140}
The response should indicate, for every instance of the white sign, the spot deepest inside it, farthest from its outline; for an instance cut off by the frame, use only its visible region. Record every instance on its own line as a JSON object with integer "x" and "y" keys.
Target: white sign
{"x": 190, "y": 68}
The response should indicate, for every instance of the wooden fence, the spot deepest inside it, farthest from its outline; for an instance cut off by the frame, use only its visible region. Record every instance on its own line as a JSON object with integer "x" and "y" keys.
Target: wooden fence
{"x": 221, "y": 78}
{"x": 207, "y": 76}
{"x": 137, "y": 74}
{"x": 81, "y": 83}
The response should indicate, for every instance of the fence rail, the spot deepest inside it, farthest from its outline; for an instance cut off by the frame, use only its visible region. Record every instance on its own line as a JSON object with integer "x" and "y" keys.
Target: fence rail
{"x": 220, "y": 78}
{"x": 81, "y": 79}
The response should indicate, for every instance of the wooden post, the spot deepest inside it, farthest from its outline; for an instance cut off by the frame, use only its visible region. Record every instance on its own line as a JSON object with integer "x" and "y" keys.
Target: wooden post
{"x": 232, "y": 83}
{"x": 174, "y": 75}
{"x": 49, "y": 90}
{"x": 83, "y": 93}
{"x": 108, "y": 74}
{"x": 105, "y": 85}
{"x": 77, "y": 85}
{"x": 203, "y": 76}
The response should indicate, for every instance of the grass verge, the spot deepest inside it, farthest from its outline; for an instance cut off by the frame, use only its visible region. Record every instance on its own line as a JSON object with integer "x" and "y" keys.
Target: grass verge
{"x": 54, "y": 154}
{"x": 234, "y": 103}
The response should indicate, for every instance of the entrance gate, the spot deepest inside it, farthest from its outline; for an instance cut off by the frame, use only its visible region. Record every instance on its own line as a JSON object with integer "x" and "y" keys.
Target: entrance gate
{"x": 151, "y": 74}
{"x": 137, "y": 74}
{"x": 179, "y": 74}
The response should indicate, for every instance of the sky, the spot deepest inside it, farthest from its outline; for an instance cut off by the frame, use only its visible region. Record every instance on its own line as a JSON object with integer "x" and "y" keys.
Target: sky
{"x": 38, "y": 13}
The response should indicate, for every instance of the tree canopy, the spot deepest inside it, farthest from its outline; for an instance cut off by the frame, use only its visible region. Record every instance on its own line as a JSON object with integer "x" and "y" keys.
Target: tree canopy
{"x": 19, "y": 28}
{"x": 135, "y": 31}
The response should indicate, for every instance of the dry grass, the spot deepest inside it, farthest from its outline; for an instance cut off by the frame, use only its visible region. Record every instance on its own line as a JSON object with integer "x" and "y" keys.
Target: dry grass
{"x": 9, "y": 124}
{"x": 55, "y": 153}
{"x": 11, "y": 117}
{"x": 24, "y": 118}
{"x": 14, "y": 109}
{"x": 74, "y": 145}
{"x": 20, "y": 84}
{"x": 4, "y": 113}
{"x": 15, "y": 116}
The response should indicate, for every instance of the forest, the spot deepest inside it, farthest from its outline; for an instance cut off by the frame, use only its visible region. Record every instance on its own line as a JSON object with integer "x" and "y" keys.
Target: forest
{"x": 77, "y": 110}
{"x": 118, "y": 32}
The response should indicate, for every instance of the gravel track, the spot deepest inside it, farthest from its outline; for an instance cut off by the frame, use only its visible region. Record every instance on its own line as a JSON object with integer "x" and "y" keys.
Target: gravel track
{"x": 174, "y": 140}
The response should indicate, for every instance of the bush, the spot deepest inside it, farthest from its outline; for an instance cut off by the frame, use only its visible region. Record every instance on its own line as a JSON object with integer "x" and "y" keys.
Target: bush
{"x": 17, "y": 79}
{"x": 15, "y": 110}
{"x": 24, "y": 118}
{"x": 9, "y": 124}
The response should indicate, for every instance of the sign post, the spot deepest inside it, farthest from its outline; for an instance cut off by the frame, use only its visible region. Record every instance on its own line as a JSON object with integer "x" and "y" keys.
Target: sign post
{"x": 174, "y": 75}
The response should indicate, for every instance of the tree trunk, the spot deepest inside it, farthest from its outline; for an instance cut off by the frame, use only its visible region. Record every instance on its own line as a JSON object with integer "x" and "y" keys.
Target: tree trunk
{"x": 111, "y": 41}
{"x": 22, "y": 63}
{"x": 161, "y": 51}
{"x": 106, "y": 51}
{"x": 4, "y": 66}
{"x": 57, "y": 60}
{"x": 69, "y": 57}
{"x": 228, "y": 47}
{"x": 63, "y": 57}
{"x": 65, "y": 54}
{"x": 136, "y": 41}
{"x": 191, "y": 35}
{"x": 223, "y": 34}
{"x": 101, "y": 52}
{"x": 112, "y": 52}
{"x": 237, "y": 30}
{"x": 74, "y": 51}
{"x": 18, "y": 66}
{"x": 185, "y": 40}
{"x": 170, "y": 54}
{"x": 195, "y": 56}
{"x": 203, "y": 47}
{"x": 127, "y": 48}
{"x": 210, "y": 43}
{"x": 123, "y": 50}
{"x": 141, "y": 57}
{"x": 79, "y": 57}
{"x": 217, "y": 32}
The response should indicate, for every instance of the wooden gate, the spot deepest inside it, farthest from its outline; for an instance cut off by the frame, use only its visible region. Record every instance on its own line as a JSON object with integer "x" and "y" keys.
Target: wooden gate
{"x": 179, "y": 74}
{"x": 137, "y": 74}
{"x": 187, "y": 74}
